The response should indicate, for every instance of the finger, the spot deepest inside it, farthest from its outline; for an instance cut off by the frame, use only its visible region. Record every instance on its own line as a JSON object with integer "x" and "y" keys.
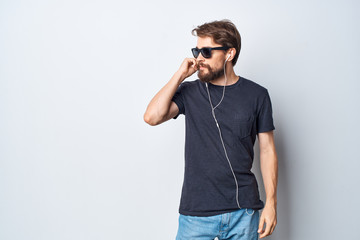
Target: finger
{"x": 267, "y": 230}
{"x": 261, "y": 225}
{"x": 192, "y": 63}
{"x": 195, "y": 64}
{"x": 272, "y": 228}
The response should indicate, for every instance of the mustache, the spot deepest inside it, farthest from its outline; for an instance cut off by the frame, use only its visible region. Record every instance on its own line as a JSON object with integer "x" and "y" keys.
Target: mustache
{"x": 203, "y": 65}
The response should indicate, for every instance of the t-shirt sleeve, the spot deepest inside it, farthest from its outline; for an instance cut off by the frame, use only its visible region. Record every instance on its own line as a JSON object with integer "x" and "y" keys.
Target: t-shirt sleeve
{"x": 265, "y": 121}
{"x": 178, "y": 98}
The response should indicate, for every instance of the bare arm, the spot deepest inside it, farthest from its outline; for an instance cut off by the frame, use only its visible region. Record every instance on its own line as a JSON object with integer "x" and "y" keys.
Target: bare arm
{"x": 161, "y": 108}
{"x": 269, "y": 171}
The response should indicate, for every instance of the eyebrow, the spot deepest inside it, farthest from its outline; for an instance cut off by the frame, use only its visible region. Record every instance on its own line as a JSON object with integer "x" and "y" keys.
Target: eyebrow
{"x": 207, "y": 47}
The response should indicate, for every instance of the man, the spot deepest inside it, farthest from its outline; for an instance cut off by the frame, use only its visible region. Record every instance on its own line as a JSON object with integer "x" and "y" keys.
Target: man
{"x": 224, "y": 113}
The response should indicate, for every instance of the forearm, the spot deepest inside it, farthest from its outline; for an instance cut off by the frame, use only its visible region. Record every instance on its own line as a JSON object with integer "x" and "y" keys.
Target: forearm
{"x": 269, "y": 170}
{"x": 160, "y": 103}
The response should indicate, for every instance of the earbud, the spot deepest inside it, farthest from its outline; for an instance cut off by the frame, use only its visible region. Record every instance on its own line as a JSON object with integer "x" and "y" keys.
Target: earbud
{"x": 228, "y": 56}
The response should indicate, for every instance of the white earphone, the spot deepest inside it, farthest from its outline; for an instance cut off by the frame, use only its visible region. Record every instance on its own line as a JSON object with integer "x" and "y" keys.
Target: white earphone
{"x": 228, "y": 56}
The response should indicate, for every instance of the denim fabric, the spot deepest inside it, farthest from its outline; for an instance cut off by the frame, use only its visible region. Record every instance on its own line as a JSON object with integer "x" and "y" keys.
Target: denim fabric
{"x": 241, "y": 224}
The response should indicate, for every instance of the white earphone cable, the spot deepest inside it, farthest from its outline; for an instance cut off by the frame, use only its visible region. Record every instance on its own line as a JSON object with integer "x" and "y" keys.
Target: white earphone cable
{"x": 222, "y": 141}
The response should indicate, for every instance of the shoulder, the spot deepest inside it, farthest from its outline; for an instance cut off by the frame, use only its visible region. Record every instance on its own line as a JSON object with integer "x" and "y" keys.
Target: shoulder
{"x": 189, "y": 85}
{"x": 255, "y": 92}
{"x": 253, "y": 87}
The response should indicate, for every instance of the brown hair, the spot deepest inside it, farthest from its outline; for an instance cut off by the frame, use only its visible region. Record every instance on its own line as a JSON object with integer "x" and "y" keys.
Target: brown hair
{"x": 222, "y": 32}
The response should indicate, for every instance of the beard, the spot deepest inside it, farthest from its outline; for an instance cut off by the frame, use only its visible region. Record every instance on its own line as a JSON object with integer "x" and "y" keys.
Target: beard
{"x": 211, "y": 75}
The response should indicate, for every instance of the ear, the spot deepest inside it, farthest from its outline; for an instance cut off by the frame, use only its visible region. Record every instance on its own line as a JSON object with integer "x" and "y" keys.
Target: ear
{"x": 231, "y": 52}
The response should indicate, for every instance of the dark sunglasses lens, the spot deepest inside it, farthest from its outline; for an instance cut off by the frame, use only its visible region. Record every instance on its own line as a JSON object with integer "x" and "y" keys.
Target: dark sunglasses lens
{"x": 195, "y": 52}
{"x": 206, "y": 52}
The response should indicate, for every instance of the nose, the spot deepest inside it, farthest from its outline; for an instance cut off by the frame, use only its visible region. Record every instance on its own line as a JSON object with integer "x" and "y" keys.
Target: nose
{"x": 200, "y": 57}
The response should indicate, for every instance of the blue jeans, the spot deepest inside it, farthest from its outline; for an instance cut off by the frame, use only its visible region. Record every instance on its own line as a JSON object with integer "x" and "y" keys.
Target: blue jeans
{"x": 240, "y": 224}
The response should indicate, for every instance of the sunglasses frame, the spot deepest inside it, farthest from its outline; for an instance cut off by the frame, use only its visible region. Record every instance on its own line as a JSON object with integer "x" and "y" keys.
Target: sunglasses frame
{"x": 196, "y": 51}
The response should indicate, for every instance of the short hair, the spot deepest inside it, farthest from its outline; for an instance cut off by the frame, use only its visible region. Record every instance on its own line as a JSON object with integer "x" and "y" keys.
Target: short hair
{"x": 222, "y": 32}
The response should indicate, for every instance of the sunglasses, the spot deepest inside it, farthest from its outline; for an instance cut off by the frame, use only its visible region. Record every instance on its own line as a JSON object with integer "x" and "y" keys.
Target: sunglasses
{"x": 206, "y": 51}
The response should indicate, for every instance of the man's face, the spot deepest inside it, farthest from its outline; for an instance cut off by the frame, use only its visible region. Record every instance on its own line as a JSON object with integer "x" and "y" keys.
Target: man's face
{"x": 210, "y": 68}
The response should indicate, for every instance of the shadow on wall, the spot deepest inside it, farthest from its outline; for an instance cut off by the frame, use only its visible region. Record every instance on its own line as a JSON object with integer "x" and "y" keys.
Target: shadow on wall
{"x": 283, "y": 227}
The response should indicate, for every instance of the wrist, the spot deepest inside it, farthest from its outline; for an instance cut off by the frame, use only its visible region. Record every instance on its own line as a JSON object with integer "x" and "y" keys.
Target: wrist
{"x": 271, "y": 202}
{"x": 180, "y": 77}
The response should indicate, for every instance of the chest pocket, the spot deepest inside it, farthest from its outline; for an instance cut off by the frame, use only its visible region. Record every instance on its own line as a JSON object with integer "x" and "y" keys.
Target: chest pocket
{"x": 243, "y": 125}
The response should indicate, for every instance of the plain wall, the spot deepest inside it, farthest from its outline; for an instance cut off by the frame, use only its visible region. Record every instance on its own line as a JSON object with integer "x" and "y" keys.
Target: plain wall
{"x": 77, "y": 161}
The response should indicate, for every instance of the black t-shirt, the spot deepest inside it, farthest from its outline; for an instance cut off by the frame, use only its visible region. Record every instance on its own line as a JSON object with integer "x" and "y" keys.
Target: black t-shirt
{"x": 209, "y": 187}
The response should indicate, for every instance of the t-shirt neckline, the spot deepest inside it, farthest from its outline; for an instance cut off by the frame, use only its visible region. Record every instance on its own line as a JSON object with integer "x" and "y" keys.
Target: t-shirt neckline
{"x": 228, "y": 86}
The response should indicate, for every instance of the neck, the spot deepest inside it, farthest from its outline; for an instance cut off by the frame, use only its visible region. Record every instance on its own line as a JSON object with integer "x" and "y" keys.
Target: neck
{"x": 230, "y": 76}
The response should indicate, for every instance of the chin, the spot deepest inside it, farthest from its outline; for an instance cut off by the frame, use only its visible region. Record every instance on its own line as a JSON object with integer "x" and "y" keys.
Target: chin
{"x": 204, "y": 77}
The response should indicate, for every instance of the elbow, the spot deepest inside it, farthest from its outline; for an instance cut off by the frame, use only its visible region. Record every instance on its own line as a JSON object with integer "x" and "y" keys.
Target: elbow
{"x": 150, "y": 120}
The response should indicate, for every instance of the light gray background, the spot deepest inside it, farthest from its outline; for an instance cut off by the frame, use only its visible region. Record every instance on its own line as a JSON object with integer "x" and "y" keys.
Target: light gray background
{"x": 78, "y": 162}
